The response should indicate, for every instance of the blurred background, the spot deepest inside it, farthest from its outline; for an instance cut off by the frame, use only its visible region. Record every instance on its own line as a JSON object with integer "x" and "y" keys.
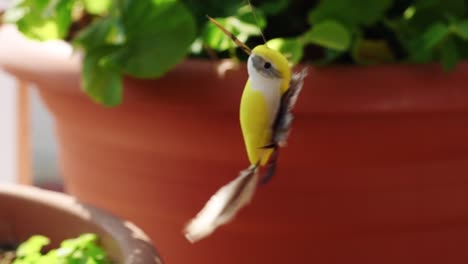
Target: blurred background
{"x": 7, "y": 128}
{"x": 44, "y": 167}
{"x": 40, "y": 139}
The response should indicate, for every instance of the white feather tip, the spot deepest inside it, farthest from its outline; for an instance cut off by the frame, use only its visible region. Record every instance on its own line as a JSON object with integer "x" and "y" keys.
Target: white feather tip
{"x": 223, "y": 205}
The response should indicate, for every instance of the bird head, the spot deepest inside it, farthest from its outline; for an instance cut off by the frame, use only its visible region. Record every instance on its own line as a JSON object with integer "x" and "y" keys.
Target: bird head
{"x": 270, "y": 64}
{"x": 263, "y": 61}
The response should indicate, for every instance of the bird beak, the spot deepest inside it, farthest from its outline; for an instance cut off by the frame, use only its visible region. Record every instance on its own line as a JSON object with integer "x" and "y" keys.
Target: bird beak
{"x": 239, "y": 43}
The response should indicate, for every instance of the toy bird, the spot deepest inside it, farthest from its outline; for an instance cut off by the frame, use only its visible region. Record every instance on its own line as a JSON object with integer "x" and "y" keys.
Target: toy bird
{"x": 265, "y": 117}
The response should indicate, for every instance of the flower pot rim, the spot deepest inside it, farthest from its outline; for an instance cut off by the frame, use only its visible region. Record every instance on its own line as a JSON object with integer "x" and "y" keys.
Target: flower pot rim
{"x": 127, "y": 235}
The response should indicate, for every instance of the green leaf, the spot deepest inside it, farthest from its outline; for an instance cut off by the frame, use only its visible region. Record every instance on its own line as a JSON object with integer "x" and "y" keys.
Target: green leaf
{"x": 421, "y": 48}
{"x": 461, "y": 29}
{"x": 329, "y": 34}
{"x": 97, "y": 7}
{"x": 291, "y": 48}
{"x": 103, "y": 32}
{"x": 433, "y": 36}
{"x": 102, "y": 84}
{"x": 243, "y": 25}
{"x": 41, "y": 19}
{"x": 350, "y": 12}
{"x": 449, "y": 54}
{"x": 50, "y": 257}
{"x": 274, "y": 7}
{"x": 214, "y": 38}
{"x": 158, "y": 36}
{"x": 81, "y": 250}
{"x": 243, "y": 29}
{"x": 254, "y": 20}
{"x": 32, "y": 246}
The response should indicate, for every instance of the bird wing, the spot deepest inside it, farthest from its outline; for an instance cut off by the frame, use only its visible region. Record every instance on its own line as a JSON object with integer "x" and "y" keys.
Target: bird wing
{"x": 284, "y": 118}
{"x": 283, "y": 121}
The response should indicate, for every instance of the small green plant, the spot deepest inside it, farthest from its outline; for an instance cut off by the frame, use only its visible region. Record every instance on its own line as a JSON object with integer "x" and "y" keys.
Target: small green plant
{"x": 83, "y": 249}
{"x": 147, "y": 38}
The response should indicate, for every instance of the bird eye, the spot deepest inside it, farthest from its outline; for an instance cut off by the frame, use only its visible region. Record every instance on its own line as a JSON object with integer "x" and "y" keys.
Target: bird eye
{"x": 267, "y": 65}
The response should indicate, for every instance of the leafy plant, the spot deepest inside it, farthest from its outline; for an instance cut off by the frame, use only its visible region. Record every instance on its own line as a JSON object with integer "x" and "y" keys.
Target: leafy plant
{"x": 83, "y": 249}
{"x": 147, "y": 38}
{"x": 142, "y": 38}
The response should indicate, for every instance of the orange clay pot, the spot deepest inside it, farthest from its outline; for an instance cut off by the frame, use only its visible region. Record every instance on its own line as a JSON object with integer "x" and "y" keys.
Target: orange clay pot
{"x": 376, "y": 170}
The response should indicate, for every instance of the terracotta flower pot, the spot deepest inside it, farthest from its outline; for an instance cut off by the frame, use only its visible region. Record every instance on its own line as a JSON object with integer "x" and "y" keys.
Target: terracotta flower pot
{"x": 27, "y": 211}
{"x": 375, "y": 170}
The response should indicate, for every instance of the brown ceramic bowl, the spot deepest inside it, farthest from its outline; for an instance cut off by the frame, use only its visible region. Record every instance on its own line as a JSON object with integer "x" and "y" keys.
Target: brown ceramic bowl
{"x": 26, "y": 211}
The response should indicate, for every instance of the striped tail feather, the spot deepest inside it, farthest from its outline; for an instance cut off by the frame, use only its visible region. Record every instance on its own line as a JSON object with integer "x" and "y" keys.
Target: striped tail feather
{"x": 223, "y": 205}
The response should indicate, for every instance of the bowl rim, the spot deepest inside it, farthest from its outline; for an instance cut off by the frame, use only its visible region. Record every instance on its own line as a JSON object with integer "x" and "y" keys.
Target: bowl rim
{"x": 128, "y": 236}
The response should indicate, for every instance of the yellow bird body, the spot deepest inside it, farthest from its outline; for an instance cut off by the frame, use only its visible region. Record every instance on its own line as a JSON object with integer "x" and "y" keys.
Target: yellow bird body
{"x": 256, "y": 120}
{"x": 261, "y": 100}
